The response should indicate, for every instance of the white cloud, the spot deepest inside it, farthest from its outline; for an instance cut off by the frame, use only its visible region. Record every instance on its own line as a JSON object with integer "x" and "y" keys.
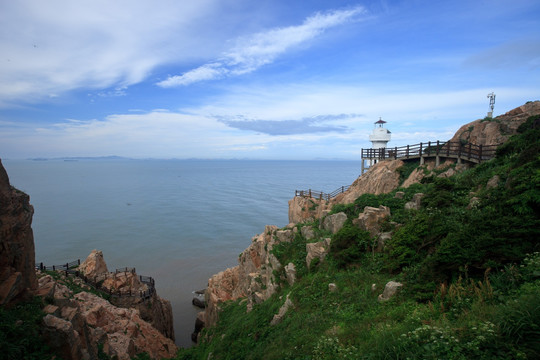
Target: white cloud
{"x": 50, "y": 47}
{"x": 252, "y": 52}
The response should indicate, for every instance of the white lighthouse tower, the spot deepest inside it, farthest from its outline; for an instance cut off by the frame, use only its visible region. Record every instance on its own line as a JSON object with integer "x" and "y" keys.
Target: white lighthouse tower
{"x": 380, "y": 136}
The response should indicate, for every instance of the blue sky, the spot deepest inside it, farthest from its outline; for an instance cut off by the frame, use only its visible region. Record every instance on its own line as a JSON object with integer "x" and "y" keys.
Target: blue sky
{"x": 266, "y": 79}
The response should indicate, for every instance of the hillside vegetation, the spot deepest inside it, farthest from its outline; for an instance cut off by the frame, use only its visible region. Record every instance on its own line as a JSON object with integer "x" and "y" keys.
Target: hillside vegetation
{"x": 468, "y": 259}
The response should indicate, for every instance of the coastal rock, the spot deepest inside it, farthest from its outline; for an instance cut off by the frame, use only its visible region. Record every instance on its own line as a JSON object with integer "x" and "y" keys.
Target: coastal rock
{"x": 253, "y": 278}
{"x": 335, "y": 222}
{"x": 372, "y": 218}
{"x": 302, "y": 209}
{"x": 497, "y": 130}
{"x": 17, "y": 261}
{"x": 381, "y": 178}
{"x": 317, "y": 250}
{"x": 153, "y": 309}
{"x": 390, "y": 290}
{"x": 94, "y": 265}
{"x": 285, "y": 235}
{"x": 77, "y": 323}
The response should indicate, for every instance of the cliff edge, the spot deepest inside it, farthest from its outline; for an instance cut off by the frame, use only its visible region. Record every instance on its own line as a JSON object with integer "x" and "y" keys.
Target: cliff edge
{"x": 17, "y": 257}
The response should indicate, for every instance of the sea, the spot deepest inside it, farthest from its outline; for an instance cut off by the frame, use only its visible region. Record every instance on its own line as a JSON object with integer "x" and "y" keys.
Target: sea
{"x": 178, "y": 221}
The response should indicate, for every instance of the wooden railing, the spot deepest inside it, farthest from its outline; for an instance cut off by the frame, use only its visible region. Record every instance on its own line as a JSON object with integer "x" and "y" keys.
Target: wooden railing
{"x": 319, "y": 194}
{"x": 470, "y": 152}
{"x": 70, "y": 268}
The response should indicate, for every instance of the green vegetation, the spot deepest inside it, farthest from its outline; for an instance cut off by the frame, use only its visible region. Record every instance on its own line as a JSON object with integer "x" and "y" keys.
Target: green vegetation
{"x": 20, "y": 332}
{"x": 468, "y": 259}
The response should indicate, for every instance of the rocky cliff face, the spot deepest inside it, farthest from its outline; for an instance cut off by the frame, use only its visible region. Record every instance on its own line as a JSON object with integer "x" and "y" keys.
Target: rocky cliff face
{"x": 17, "y": 257}
{"x": 253, "y": 277}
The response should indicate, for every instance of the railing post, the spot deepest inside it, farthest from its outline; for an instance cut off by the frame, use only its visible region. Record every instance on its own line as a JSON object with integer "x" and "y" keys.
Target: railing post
{"x": 480, "y": 153}
{"x": 407, "y": 153}
{"x": 420, "y": 151}
{"x": 448, "y": 144}
{"x": 41, "y": 266}
{"x": 395, "y": 153}
{"x": 437, "y": 149}
{"x": 309, "y": 192}
{"x": 79, "y": 261}
{"x": 469, "y": 156}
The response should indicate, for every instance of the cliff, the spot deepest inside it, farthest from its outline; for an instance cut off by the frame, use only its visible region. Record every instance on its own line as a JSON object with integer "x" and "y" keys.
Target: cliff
{"x": 17, "y": 258}
{"x": 255, "y": 276}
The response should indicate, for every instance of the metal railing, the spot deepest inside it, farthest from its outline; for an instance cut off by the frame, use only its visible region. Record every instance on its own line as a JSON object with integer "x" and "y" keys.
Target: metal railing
{"x": 468, "y": 151}
{"x": 96, "y": 282}
{"x": 319, "y": 194}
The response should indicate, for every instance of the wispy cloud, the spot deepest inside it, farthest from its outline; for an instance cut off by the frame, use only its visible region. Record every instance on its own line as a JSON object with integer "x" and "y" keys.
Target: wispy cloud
{"x": 289, "y": 127}
{"x": 252, "y": 52}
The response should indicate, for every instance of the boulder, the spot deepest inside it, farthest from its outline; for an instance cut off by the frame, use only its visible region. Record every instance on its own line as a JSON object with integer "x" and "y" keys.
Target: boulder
{"x": 335, "y": 222}
{"x": 332, "y": 287}
{"x": 285, "y": 235}
{"x": 390, "y": 289}
{"x": 493, "y": 182}
{"x": 415, "y": 203}
{"x": 317, "y": 250}
{"x": 372, "y": 218}
{"x": 290, "y": 273}
{"x": 282, "y": 311}
{"x": 94, "y": 265}
{"x": 307, "y": 232}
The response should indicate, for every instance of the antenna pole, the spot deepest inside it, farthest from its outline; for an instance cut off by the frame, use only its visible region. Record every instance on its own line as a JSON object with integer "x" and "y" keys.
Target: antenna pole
{"x": 491, "y": 97}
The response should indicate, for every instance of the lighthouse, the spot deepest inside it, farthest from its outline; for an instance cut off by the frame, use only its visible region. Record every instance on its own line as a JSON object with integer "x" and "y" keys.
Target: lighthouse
{"x": 380, "y": 136}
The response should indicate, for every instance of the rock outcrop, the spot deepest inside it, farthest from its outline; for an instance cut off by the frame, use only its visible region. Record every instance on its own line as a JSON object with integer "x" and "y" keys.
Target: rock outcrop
{"x": 372, "y": 218}
{"x": 94, "y": 265}
{"x": 497, "y": 130}
{"x": 17, "y": 260}
{"x": 304, "y": 209}
{"x": 77, "y": 324}
{"x": 253, "y": 278}
{"x": 317, "y": 250}
{"x": 381, "y": 178}
{"x": 154, "y": 309}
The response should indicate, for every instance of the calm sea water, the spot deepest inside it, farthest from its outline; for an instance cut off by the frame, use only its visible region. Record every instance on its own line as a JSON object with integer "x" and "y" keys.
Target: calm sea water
{"x": 179, "y": 221}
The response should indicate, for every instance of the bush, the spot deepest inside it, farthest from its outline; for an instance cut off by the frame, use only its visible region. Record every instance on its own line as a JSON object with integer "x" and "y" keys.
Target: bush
{"x": 349, "y": 244}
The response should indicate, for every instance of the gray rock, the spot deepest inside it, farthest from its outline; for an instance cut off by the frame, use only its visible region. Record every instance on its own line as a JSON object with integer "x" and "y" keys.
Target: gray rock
{"x": 334, "y": 223}
{"x": 391, "y": 289}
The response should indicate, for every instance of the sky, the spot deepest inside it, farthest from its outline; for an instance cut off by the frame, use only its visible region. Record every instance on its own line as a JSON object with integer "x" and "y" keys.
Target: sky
{"x": 265, "y": 79}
